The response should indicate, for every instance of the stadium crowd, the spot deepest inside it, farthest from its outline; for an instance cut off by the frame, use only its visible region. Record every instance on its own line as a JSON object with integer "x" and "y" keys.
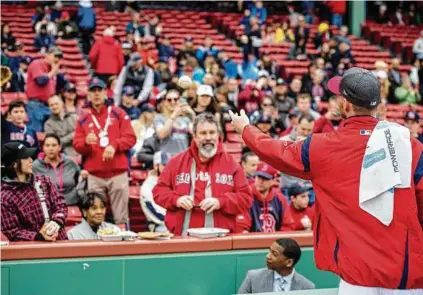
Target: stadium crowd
{"x": 136, "y": 115}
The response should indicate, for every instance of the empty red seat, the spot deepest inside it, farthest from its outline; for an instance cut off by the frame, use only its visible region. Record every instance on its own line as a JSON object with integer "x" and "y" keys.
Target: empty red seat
{"x": 232, "y": 147}
{"x": 234, "y": 137}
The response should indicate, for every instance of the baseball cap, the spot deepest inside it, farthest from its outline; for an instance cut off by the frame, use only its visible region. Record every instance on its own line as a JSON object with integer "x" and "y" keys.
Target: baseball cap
{"x": 412, "y": 116}
{"x": 263, "y": 73}
{"x": 128, "y": 90}
{"x": 264, "y": 119}
{"x": 16, "y": 150}
{"x": 26, "y": 60}
{"x": 134, "y": 59}
{"x": 55, "y": 51}
{"x": 280, "y": 81}
{"x": 188, "y": 39}
{"x": 358, "y": 86}
{"x": 266, "y": 171}
{"x": 161, "y": 158}
{"x": 70, "y": 87}
{"x": 205, "y": 90}
{"x": 296, "y": 189}
{"x": 126, "y": 45}
{"x": 96, "y": 82}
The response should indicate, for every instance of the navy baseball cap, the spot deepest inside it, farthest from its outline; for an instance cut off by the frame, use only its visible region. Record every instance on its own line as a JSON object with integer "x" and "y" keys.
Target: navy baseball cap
{"x": 128, "y": 90}
{"x": 281, "y": 81}
{"x": 264, "y": 119}
{"x": 26, "y": 60}
{"x": 188, "y": 39}
{"x": 70, "y": 87}
{"x": 296, "y": 189}
{"x": 97, "y": 83}
{"x": 412, "y": 116}
{"x": 359, "y": 86}
{"x": 16, "y": 150}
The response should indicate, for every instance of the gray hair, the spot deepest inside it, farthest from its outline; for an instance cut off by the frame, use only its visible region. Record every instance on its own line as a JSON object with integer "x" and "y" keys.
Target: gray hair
{"x": 205, "y": 118}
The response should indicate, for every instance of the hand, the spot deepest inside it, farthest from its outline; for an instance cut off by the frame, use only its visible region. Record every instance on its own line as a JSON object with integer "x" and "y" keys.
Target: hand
{"x": 306, "y": 222}
{"x": 239, "y": 121}
{"x": 47, "y": 237}
{"x": 136, "y": 102}
{"x": 184, "y": 202}
{"x": 209, "y": 205}
{"x": 84, "y": 174}
{"x": 109, "y": 153}
{"x": 91, "y": 138}
{"x": 55, "y": 67}
{"x": 178, "y": 111}
{"x": 52, "y": 228}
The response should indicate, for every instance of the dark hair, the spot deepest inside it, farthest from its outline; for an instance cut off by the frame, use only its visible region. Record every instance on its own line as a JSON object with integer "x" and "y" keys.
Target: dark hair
{"x": 205, "y": 117}
{"x": 246, "y": 155}
{"x": 212, "y": 108}
{"x": 52, "y": 135}
{"x": 307, "y": 117}
{"x": 88, "y": 200}
{"x": 16, "y": 104}
{"x": 291, "y": 249}
{"x": 10, "y": 170}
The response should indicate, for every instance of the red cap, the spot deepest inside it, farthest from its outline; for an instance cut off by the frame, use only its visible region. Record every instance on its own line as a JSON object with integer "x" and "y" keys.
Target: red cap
{"x": 266, "y": 171}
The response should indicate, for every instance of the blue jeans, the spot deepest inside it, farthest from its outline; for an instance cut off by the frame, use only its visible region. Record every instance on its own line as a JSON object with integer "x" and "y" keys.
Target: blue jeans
{"x": 38, "y": 113}
{"x": 337, "y": 20}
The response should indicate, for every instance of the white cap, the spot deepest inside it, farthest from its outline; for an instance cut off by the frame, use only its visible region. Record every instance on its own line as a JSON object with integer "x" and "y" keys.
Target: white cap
{"x": 381, "y": 75}
{"x": 85, "y": 3}
{"x": 205, "y": 90}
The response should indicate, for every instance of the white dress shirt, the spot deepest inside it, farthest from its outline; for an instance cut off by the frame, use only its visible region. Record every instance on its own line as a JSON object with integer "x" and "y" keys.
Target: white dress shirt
{"x": 278, "y": 279}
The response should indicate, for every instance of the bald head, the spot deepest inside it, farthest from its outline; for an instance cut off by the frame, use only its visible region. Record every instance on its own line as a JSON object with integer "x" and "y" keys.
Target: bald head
{"x": 55, "y": 104}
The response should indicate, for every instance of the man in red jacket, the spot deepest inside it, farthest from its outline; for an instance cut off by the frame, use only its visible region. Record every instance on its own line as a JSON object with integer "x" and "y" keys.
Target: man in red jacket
{"x": 103, "y": 136}
{"x": 106, "y": 56}
{"x": 270, "y": 211}
{"x": 203, "y": 186}
{"x": 370, "y": 256}
{"x": 331, "y": 120}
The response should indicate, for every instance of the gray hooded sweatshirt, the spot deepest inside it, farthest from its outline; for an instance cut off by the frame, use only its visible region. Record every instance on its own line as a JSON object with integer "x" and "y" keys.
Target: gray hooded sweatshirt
{"x": 65, "y": 176}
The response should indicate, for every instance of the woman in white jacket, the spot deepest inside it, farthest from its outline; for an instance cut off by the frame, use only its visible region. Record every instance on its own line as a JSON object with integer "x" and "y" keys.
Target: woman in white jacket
{"x": 153, "y": 212}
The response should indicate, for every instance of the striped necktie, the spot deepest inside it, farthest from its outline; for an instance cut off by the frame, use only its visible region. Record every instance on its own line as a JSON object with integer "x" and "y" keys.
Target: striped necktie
{"x": 282, "y": 284}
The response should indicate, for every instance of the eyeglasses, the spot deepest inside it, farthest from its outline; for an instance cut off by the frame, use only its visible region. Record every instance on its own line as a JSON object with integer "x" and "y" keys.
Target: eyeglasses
{"x": 170, "y": 99}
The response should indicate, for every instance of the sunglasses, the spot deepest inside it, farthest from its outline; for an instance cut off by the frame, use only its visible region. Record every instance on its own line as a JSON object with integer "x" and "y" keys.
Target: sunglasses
{"x": 170, "y": 99}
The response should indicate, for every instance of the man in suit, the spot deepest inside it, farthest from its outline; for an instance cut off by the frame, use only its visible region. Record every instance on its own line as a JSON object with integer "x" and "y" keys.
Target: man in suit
{"x": 280, "y": 275}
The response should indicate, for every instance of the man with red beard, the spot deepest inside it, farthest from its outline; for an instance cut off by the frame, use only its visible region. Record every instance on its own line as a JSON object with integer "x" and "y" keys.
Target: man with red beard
{"x": 270, "y": 211}
{"x": 203, "y": 186}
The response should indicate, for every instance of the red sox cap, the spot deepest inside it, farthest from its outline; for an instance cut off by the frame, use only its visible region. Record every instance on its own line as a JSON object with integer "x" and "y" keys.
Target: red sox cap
{"x": 358, "y": 86}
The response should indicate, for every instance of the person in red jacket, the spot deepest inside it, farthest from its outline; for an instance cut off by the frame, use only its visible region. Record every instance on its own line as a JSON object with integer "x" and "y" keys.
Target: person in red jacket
{"x": 337, "y": 9}
{"x": 331, "y": 120}
{"x": 203, "y": 186}
{"x": 103, "y": 136}
{"x": 106, "y": 56}
{"x": 299, "y": 209}
{"x": 270, "y": 211}
{"x": 370, "y": 256}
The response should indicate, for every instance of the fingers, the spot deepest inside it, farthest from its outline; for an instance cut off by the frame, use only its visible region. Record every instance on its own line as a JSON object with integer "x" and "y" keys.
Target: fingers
{"x": 186, "y": 204}
{"x": 232, "y": 115}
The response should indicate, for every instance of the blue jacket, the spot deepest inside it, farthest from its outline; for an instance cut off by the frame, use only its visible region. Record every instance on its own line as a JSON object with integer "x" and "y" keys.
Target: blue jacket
{"x": 260, "y": 13}
{"x": 203, "y": 52}
{"x": 231, "y": 68}
{"x": 248, "y": 70}
{"x": 133, "y": 112}
{"x": 43, "y": 41}
{"x": 130, "y": 28}
{"x": 11, "y": 132}
{"x": 86, "y": 18}
{"x": 165, "y": 52}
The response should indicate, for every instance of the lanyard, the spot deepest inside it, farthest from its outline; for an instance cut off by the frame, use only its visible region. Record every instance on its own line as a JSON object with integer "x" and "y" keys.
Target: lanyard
{"x": 106, "y": 126}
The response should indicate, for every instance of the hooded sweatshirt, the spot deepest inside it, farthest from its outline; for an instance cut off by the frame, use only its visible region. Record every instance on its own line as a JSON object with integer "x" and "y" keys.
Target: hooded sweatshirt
{"x": 228, "y": 185}
{"x": 271, "y": 213}
{"x": 21, "y": 212}
{"x": 106, "y": 56}
{"x": 64, "y": 176}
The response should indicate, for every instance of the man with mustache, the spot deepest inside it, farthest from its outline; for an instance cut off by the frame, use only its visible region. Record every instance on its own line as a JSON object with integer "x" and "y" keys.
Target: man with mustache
{"x": 203, "y": 186}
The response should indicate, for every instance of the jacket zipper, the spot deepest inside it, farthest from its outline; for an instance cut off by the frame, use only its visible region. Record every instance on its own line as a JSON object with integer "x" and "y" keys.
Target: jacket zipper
{"x": 317, "y": 231}
{"x": 404, "y": 276}
{"x": 335, "y": 251}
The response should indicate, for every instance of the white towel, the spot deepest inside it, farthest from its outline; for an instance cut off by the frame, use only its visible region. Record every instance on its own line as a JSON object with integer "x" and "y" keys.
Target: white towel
{"x": 386, "y": 165}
